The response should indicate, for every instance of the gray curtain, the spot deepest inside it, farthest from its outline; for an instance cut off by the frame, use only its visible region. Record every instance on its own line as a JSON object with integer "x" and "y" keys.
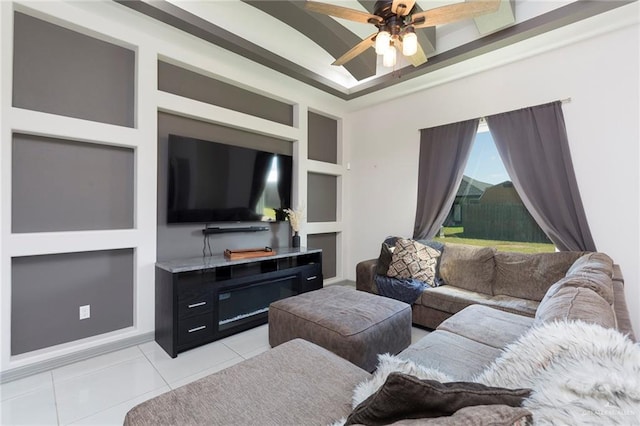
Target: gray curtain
{"x": 444, "y": 151}
{"x": 534, "y": 148}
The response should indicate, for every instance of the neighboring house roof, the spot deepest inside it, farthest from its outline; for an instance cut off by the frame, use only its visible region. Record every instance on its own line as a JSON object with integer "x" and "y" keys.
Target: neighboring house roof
{"x": 501, "y": 193}
{"x": 471, "y": 188}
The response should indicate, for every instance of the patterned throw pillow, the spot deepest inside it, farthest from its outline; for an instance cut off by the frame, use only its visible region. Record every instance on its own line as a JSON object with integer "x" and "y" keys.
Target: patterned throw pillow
{"x": 414, "y": 260}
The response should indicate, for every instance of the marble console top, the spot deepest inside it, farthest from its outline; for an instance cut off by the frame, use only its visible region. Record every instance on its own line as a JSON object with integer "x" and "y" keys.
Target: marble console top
{"x": 204, "y": 262}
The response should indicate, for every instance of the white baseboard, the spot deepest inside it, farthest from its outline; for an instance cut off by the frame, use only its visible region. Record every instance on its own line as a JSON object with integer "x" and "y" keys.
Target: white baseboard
{"x": 50, "y": 364}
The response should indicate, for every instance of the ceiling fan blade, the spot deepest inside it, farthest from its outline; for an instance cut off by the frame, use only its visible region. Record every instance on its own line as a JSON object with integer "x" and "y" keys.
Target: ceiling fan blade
{"x": 418, "y": 58}
{"x": 356, "y": 50}
{"x": 454, "y": 12}
{"x": 342, "y": 12}
{"x": 402, "y": 7}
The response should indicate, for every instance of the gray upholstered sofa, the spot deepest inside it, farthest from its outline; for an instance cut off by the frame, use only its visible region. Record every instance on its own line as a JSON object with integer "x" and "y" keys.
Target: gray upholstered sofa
{"x": 511, "y": 282}
{"x": 299, "y": 383}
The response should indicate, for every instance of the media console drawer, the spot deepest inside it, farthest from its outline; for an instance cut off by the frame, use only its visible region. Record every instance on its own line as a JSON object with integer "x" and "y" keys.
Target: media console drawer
{"x": 200, "y": 300}
{"x": 195, "y": 302}
{"x": 195, "y": 329}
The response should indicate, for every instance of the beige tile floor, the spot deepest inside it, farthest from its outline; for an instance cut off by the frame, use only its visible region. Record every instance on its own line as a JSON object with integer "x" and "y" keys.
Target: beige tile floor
{"x": 100, "y": 390}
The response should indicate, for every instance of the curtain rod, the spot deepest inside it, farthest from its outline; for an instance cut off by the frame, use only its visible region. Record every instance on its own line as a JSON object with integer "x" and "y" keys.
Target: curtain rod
{"x": 483, "y": 120}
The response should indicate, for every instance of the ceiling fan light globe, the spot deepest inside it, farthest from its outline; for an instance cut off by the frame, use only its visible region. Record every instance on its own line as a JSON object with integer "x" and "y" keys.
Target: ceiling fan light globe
{"x": 409, "y": 44}
{"x": 389, "y": 57}
{"x": 382, "y": 42}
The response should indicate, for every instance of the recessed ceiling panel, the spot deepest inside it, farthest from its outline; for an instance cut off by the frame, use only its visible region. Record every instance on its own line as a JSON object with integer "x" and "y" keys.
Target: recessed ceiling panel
{"x": 283, "y": 35}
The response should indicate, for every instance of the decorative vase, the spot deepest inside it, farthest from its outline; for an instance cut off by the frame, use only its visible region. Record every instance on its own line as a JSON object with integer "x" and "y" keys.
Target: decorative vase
{"x": 295, "y": 240}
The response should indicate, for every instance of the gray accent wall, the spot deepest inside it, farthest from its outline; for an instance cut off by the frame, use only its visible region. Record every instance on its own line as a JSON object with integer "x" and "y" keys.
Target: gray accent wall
{"x": 63, "y": 72}
{"x": 322, "y": 193}
{"x": 182, "y": 82}
{"x": 47, "y": 292}
{"x": 60, "y": 185}
{"x": 186, "y": 240}
{"x": 328, "y": 243}
{"x": 323, "y": 138}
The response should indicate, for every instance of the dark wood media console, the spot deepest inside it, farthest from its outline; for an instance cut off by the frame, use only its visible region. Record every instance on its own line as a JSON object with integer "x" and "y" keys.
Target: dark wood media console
{"x": 203, "y": 299}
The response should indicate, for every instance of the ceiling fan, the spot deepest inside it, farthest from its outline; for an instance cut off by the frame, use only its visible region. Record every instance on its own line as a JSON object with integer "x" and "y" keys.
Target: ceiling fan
{"x": 396, "y": 25}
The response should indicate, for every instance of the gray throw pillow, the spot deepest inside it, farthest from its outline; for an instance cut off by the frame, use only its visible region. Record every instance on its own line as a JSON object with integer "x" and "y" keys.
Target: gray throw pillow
{"x": 386, "y": 252}
{"x": 406, "y": 397}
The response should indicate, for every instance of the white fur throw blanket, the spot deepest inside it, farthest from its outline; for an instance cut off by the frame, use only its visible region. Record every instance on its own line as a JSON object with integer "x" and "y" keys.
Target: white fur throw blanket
{"x": 580, "y": 374}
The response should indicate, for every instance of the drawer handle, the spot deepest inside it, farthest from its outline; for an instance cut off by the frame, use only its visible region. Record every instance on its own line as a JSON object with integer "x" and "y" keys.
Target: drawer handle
{"x": 193, "y": 330}
{"x": 195, "y": 305}
{"x": 312, "y": 278}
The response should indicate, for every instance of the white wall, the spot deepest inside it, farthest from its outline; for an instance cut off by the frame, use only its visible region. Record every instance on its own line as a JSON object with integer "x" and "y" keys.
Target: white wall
{"x": 380, "y": 143}
{"x": 151, "y": 40}
{"x": 599, "y": 74}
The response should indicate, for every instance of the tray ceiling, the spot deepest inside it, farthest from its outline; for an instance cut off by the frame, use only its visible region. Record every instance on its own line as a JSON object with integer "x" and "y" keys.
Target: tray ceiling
{"x": 282, "y": 35}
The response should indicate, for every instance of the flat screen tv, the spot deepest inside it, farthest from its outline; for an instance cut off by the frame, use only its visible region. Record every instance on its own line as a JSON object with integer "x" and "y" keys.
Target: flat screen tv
{"x": 213, "y": 182}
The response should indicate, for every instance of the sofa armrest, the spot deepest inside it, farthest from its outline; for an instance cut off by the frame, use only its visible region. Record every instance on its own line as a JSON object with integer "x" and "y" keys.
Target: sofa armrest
{"x": 617, "y": 274}
{"x": 365, "y": 273}
{"x": 621, "y": 309}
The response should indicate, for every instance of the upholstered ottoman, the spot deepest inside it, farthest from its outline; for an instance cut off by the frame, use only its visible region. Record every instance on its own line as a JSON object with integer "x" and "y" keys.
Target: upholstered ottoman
{"x": 352, "y": 324}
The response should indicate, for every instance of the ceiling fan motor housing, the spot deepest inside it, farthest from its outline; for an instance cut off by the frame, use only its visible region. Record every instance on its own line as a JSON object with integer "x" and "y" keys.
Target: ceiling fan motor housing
{"x": 384, "y": 9}
{"x": 392, "y": 23}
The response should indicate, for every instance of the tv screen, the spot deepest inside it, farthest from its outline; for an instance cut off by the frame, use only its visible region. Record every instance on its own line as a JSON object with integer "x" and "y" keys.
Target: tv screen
{"x": 214, "y": 182}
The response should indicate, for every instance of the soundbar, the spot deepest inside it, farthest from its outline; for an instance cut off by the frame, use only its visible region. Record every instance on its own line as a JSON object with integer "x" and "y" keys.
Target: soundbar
{"x": 223, "y": 229}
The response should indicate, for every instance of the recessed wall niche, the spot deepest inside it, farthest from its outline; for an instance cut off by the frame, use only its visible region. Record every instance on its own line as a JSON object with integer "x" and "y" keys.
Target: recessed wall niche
{"x": 183, "y": 82}
{"x": 48, "y": 290}
{"x": 186, "y": 240}
{"x": 322, "y": 193}
{"x": 328, "y": 243}
{"x": 323, "y": 138}
{"x": 61, "y": 185}
{"x": 63, "y": 72}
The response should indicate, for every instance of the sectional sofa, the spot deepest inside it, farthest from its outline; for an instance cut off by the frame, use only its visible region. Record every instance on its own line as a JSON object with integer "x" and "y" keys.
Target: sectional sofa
{"x": 511, "y": 282}
{"x": 300, "y": 383}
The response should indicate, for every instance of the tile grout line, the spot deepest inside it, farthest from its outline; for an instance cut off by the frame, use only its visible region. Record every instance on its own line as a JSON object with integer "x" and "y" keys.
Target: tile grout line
{"x": 232, "y": 350}
{"x": 55, "y": 398}
{"x": 154, "y": 367}
{"x": 144, "y": 355}
{"x": 97, "y": 369}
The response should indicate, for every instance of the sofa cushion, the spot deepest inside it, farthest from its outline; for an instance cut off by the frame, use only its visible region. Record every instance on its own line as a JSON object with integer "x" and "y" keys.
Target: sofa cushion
{"x": 592, "y": 262}
{"x": 514, "y": 305}
{"x": 411, "y": 259}
{"x": 529, "y": 276}
{"x": 468, "y": 267}
{"x": 452, "y": 299}
{"x": 455, "y": 355}
{"x": 406, "y": 397}
{"x": 596, "y": 281}
{"x": 490, "y": 326}
{"x": 576, "y": 303}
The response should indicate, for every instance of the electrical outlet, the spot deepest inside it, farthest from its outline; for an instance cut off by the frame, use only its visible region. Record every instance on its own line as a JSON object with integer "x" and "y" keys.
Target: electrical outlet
{"x": 85, "y": 312}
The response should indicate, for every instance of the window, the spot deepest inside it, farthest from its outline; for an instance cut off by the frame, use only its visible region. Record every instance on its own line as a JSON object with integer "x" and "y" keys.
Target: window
{"x": 487, "y": 209}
